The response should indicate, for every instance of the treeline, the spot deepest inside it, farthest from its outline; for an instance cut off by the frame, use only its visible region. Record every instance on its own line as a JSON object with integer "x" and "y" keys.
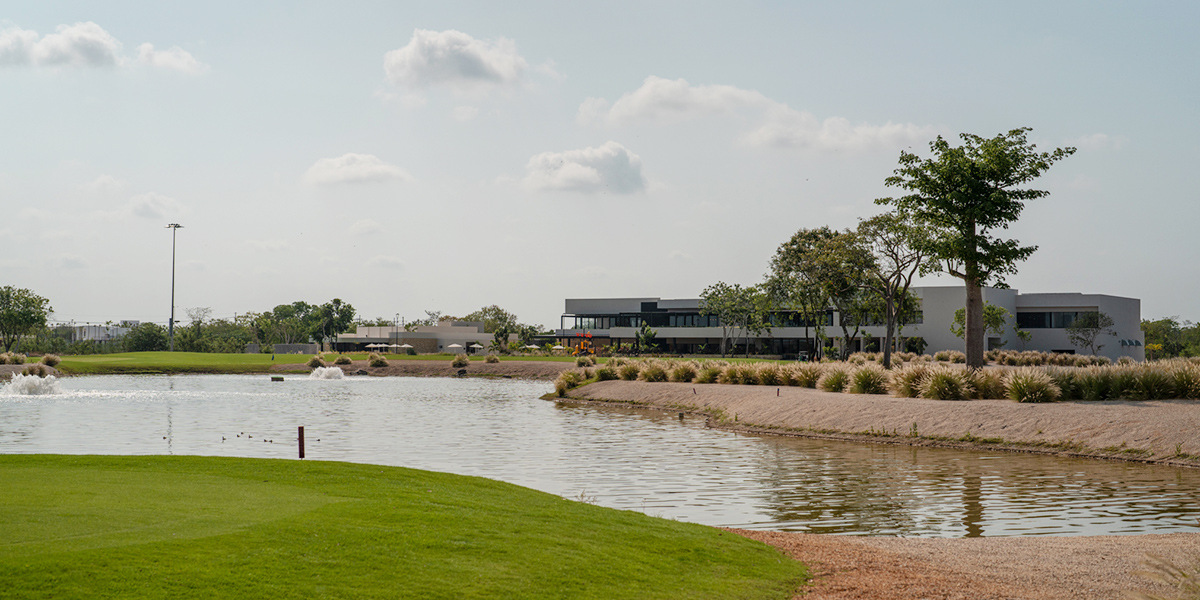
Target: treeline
{"x": 1169, "y": 337}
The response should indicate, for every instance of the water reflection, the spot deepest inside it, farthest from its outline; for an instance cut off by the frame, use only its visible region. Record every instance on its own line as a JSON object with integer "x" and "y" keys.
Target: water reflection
{"x": 648, "y": 461}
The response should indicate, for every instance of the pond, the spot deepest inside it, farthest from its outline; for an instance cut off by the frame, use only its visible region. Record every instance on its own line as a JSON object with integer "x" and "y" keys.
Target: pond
{"x": 648, "y": 461}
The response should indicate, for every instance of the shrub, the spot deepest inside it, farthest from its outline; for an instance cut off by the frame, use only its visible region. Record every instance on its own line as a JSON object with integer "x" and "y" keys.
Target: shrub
{"x": 491, "y": 359}
{"x": 628, "y": 371}
{"x": 1126, "y": 360}
{"x": 315, "y": 362}
{"x": 566, "y": 381}
{"x": 747, "y": 374}
{"x": 12, "y": 358}
{"x": 584, "y": 361}
{"x": 787, "y": 375}
{"x": 958, "y": 357}
{"x": 942, "y": 356}
{"x": 769, "y": 374}
{"x": 946, "y": 383}
{"x": 683, "y": 372}
{"x": 988, "y": 384}
{"x": 870, "y": 378}
{"x": 606, "y": 373}
{"x": 460, "y": 361}
{"x": 1094, "y": 383}
{"x": 653, "y": 371}
{"x": 1064, "y": 378}
{"x": 808, "y": 374}
{"x": 377, "y": 361}
{"x": 51, "y": 360}
{"x": 857, "y": 358}
{"x": 834, "y": 379}
{"x": 1031, "y": 385}
{"x": 1186, "y": 378}
{"x": 708, "y": 374}
{"x": 1123, "y": 382}
{"x": 1152, "y": 383}
{"x": 36, "y": 369}
{"x": 342, "y": 360}
{"x": 906, "y": 382}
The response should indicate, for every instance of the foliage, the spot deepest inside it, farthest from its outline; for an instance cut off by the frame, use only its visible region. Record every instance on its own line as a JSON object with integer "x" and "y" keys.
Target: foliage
{"x": 584, "y": 361}
{"x": 1183, "y": 579}
{"x": 606, "y": 373}
{"x": 834, "y": 378}
{"x": 628, "y": 371}
{"x": 492, "y": 359}
{"x": 51, "y": 360}
{"x": 808, "y": 374}
{"x": 38, "y": 369}
{"x": 963, "y": 196}
{"x": 22, "y": 312}
{"x": 645, "y": 338}
{"x": 567, "y": 381}
{"x": 654, "y": 371}
{"x": 1087, "y": 328}
{"x": 740, "y": 311}
{"x": 683, "y": 372}
{"x": 330, "y": 319}
{"x": 1031, "y": 385}
{"x": 987, "y": 383}
{"x": 146, "y": 337}
{"x": 870, "y": 378}
{"x": 315, "y": 362}
{"x": 946, "y": 383}
{"x": 1176, "y": 338}
{"x": 460, "y": 361}
{"x": 709, "y": 373}
{"x": 898, "y": 245}
{"x": 342, "y": 360}
{"x": 995, "y": 320}
{"x": 376, "y": 361}
{"x": 906, "y": 382}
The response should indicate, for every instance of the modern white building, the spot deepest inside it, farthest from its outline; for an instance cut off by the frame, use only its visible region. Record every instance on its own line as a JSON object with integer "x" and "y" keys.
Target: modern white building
{"x": 681, "y": 327}
{"x": 426, "y": 339}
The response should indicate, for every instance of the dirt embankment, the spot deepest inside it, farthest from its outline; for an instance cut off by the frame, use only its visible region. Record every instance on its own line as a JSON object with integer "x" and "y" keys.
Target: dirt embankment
{"x": 515, "y": 369}
{"x": 1159, "y": 431}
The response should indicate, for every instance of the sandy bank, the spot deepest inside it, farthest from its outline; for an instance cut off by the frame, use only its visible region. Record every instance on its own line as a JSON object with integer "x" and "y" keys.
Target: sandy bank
{"x": 1159, "y": 431}
{"x": 1034, "y": 567}
{"x": 516, "y": 369}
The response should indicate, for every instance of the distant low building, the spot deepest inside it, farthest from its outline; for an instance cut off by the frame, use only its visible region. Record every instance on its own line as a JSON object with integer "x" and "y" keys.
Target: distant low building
{"x": 101, "y": 333}
{"x": 426, "y": 339}
{"x": 681, "y": 328}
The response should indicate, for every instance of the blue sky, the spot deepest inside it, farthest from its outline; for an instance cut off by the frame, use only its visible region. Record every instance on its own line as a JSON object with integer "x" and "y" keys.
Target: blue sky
{"x": 444, "y": 156}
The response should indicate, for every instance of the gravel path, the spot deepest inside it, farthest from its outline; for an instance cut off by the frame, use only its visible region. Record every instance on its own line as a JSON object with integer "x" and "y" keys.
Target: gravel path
{"x": 1132, "y": 430}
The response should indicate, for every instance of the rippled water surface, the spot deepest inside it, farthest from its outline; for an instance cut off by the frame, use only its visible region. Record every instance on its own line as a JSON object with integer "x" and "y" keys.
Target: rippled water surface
{"x": 647, "y": 461}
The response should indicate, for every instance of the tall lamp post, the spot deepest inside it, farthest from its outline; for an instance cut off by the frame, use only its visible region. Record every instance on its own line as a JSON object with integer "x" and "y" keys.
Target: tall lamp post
{"x": 174, "y": 227}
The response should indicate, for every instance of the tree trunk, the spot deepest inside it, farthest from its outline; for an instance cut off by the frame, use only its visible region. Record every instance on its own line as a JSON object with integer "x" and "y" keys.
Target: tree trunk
{"x": 890, "y": 311}
{"x": 974, "y": 324}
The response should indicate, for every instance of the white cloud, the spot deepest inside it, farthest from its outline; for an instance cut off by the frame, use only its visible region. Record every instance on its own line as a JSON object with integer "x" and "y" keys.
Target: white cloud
{"x": 173, "y": 59}
{"x": 465, "y": 113}
{"x": 454, "y": 59}
{"x": 385, "y": 262}
{"x": 661, "y": 100}
{"x": 1098, "y": 141}
{"x": 353, "y": 168}
{"x": 366, "y": 227}
{"x": 609, "y": 168}
{"x": 152, "y": 206}
{"x": 103, "y": 184}
{"x": 84, "y": 45}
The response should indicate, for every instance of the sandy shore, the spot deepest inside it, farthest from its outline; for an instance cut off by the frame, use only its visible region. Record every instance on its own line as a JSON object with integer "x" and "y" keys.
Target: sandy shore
{"x": 1157, "y": 431}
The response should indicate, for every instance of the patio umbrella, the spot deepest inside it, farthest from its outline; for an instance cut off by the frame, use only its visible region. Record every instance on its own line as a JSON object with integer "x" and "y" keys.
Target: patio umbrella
{"x": 405, "y": 346}
{"x": 454, "y": 346}
{"x": 558, "y": 348}
{"x": 531, "y": 347}
{"x": 476, "y": 346}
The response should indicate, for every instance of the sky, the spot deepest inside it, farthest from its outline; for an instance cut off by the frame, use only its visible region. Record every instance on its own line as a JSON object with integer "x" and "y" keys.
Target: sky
{"x": 446, "y": 156}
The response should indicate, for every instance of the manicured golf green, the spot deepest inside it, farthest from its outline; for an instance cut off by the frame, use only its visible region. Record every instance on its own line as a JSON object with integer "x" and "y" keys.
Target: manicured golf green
{"x": 193, "y": 527}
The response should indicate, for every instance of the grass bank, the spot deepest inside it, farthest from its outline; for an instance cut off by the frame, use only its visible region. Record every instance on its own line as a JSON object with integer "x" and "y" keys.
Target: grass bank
{"x": 192, "y": 527}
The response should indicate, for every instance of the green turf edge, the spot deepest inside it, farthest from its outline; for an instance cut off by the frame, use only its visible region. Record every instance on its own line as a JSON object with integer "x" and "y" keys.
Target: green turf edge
{"x": 364, "y": 531}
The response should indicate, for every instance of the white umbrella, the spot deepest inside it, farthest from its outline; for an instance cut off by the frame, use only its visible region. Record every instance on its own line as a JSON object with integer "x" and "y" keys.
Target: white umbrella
{"x": 558, "y": 348}
{"x": 476, "y": 346}
{"x": 375, "y": 345}
{"x": 405, "y": 346}
{"x": 454, "y": 346}
{"x": 531, "y": 347}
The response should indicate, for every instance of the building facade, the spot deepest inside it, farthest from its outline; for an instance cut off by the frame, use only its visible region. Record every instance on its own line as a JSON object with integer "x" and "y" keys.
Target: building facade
{"x": 452, "y": 337}
{"x": 682, "y": 328}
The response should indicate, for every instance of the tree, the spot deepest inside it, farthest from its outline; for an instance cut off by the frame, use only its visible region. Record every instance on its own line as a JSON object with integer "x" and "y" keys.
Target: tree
{"x": 1087, "y": 328}
{"x": 493, "y": 318}
{"x": 995, "y": 318}
{"x": 146, "y": 337}
{"x": 963, "y": 195}
{"x": 330, "y": 319}
{"x": 738, "y": 310}
{"x": 1167, "y": 332}
{"x": 899, "y": 247}
{"x": 22, "y": 312}
{"x": 645, "y": 338}
{"x": 833, "y": 265}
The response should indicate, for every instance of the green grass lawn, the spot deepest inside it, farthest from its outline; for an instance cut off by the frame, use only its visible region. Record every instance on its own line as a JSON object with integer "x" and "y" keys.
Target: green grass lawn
{"x": 193, "y": 527}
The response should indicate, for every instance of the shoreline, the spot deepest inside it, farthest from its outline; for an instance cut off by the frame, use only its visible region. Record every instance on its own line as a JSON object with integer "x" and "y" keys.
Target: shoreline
{"x": 1153, "y": 432}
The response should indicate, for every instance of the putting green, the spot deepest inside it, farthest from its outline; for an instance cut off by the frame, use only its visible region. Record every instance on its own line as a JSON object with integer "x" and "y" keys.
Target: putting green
{"x": 103, "y": 509}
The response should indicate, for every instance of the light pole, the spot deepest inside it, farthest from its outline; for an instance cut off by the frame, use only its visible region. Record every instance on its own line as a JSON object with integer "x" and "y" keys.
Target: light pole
{"x": 174, "y": 227}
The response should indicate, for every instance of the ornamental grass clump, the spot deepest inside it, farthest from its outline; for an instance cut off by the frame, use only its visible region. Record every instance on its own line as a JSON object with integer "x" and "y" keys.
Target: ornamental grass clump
{"x": 1032, "y": 385}
{"x": 315, "y": 362}
{"x": 491, "y": 359}
{"x": 808, "y": 374}
{"x": 1186, "y": 377}
{"x": 957, "y": 357}
{"x": 376, "y": 360}
{"x": 906, "y": 382}
{"x": 1064, "y": 378}
{"x": 942, "y": 356}
{"x": 787, "y": 375}
{"x": 653, "y": 371}
{"x": 709, "y": 373}
{"x": 460, "y": 361}
{"x": 988, "y": 384}
{"x": 584, "y": 361}
{"x": 770, "y": 374}
{"x": 36, "y": 369}
{"x": 628, "y": 371}
{"x": 1123, "y": 382}
{"x": 1094, "y": 383}
{"x": 835, "y": 378}
{"x": 683, "y": 371}
{"x": 946, "y": 383}
{"x": 606, "y": 373}
{"x": 870, "y": 378}
{"x": 857, "y": 358}
{"x": 51, "y": 360}
{"x": 342, "y": 360}
{"x": 567, "y": 380}
{"x": 1152, "y": 383}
